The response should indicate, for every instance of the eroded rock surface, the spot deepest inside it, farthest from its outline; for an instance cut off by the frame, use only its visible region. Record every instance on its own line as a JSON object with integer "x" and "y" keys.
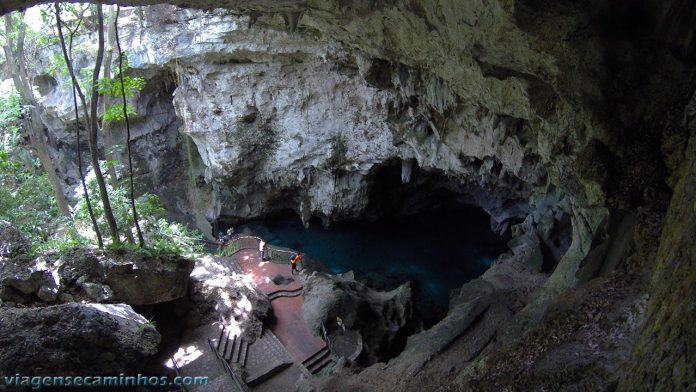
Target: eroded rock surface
{"x": 75, "y": 339}
{"x": 125, "y": 276}
{"x": 12, "y": 241}
{"x": 227, "y": 298}
{"x": 378, "y": 316}
{"x": 24, "y": 276}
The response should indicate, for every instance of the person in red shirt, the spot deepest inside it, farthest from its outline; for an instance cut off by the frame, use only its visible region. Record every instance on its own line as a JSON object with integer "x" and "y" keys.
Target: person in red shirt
{"x": 293, "y": 262}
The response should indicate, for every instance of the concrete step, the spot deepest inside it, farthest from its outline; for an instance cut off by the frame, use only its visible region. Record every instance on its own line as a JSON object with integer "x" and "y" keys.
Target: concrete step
{"x": 285, "y": 293}
{"x": 318, "y": 366}
{"x": 232, "y": 348}
{"x": 234, "y": 266}
{"x": 318, "y": 361}
{"x": 265, "y": 358}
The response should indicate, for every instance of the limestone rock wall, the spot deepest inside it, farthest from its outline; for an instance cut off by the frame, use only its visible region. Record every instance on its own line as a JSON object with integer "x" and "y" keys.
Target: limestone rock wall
{"x": 265, "y": 111}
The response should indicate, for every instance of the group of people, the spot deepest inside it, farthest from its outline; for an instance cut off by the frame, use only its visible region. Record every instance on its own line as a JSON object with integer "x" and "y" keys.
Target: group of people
{"x": 294, "y": 258}
{"x": 225, "y": 237}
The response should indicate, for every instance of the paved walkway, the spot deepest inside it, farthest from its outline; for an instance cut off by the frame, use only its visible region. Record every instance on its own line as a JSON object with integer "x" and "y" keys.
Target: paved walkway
{"x": 289, "y": 326}
{"x": 283, "y": 289}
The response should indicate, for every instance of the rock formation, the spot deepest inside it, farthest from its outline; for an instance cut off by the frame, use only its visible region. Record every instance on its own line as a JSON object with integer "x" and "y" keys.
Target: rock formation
{"x": 564, "y": 120}
{"x": 95, "y": 276}
{"x": 75, "y": 340}
{"x": 229, "y": 297}
{"x": 379, "y": 317}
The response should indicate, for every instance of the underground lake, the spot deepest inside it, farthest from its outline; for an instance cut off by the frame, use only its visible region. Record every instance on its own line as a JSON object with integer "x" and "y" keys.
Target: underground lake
{"x": 436, "y": 250}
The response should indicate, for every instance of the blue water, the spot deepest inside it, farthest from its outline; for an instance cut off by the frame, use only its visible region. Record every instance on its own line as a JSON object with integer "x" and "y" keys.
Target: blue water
{"x": 438, "y": 251}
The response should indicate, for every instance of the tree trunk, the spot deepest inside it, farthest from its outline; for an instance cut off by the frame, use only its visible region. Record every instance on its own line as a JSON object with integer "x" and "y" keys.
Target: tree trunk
{"x": 141, "y": 241}
{"x": 17, "y": 63}
{"x": 106, "y": 128}
{"x": 67, "y": 57}
{"x": 94, "y": 131}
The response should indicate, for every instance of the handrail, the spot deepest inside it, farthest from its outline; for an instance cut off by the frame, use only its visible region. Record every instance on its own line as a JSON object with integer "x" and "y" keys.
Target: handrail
{"x": 241, "y": 386}
{"x": 177, "y": 369}
{"x": 325, "y": 336}
{"x": 272, "y": 249}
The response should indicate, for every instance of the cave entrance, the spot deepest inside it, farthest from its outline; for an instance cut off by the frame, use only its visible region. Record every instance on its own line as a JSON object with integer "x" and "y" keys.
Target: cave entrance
{"x": 421, "y": 232}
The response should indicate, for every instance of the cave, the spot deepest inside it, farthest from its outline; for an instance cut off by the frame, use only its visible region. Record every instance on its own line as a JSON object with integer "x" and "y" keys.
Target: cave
{"x": 419, "y": 232}
{"x": 356, "y": 195}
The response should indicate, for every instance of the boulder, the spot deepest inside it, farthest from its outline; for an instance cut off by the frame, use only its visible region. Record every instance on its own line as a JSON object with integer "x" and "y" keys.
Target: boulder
{"x": 139, "y": 280}
{"x": 49, "y": 290}
{"x": 220, "y": 294}
{"x": 282, "y": 280}
{"x": 98, "y": 292}
{"x": 12, "y": 241}
{"x": 75, "y": 339}
{"x": 22, "y": 273}
{"x": 10, "y": 296}
{"x": 380, "y": 317}
{"x": 124, "y": 276}
{"x": 24, "y": 276}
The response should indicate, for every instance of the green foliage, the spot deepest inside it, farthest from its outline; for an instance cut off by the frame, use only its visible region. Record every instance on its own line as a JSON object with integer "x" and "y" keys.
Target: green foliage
{"x": 84, "y": 78}
{"x": 150, "y": 324}
{"x": 112, "y": 87}
{"x": 59, "y": 242}
{"x": 161, "y": 235}
{"x": 57, "y": 66}
{"x": 114, "y": 113}
{"x": 17, "y": 21}
{"x": 10, "y": 112}
{"x": 229, "y": 249}
{"x": 26, "y": 199}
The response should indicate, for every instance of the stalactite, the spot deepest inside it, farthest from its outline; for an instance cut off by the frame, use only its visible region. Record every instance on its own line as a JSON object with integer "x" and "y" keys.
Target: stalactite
{"x": 292, "y": 19}
{"x": 253, "y": 17}
{"x": 406, "y": 170}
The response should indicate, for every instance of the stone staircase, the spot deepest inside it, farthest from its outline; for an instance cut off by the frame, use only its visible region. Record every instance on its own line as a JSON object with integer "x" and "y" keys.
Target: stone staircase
{"x": 319, "y": 361}
{"x": 284, "y": 293}
{"x": 267, "y": 357}
{"x": 234, "y": 266}
{"x": 232, "y": 349}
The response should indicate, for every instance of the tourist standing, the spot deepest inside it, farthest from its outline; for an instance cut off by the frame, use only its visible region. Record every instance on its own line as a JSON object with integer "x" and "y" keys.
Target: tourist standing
{"x": 293, "y": 262}
{"x": 262, "y": 249}
{"x": 341, "y": 326}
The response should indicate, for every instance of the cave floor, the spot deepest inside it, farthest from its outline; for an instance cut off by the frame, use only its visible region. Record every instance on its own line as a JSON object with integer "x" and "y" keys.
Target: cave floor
{"x": 287, "y": 352}
{"x": 286, "y": 302}
{"x": 286, "y": 356}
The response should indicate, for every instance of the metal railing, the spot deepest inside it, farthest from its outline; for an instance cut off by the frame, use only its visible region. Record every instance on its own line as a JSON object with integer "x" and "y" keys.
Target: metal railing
{"x": 275, "y": 254}
{"x": 325, "y": 336}
{"x": 177, "y": 369}
{"x": 239, "y": 384}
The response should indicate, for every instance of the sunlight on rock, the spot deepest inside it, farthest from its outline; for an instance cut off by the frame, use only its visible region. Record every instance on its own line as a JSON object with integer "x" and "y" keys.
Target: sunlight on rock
{"x": 184, "y": 356}
{"x": 41, "y": 264}
{"x": 244, "y": 304}
{"x": 207, "y": 267}
{"x": 247, "y": 280}
{"x": 121, "y": 310}
{"x": 233, "y": 327}
{"x": 226, "y": 299}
